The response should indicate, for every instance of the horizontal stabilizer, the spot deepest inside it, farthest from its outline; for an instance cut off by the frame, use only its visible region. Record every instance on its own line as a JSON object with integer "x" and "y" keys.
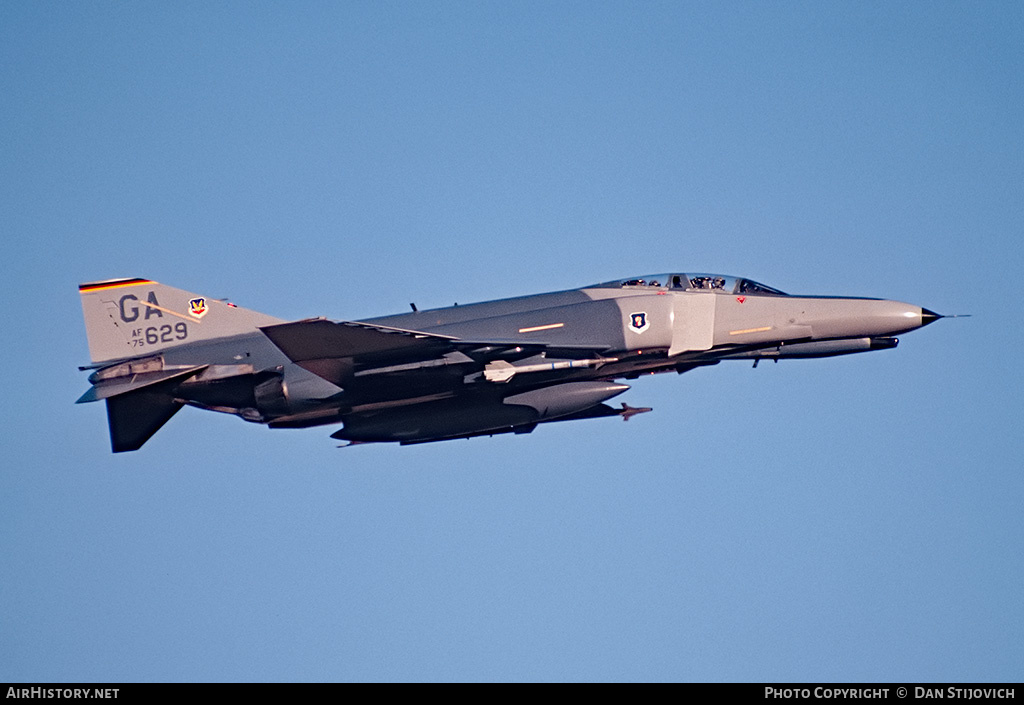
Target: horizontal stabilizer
{"x": 122, "y": 385}
{"x": 134, "y": 416}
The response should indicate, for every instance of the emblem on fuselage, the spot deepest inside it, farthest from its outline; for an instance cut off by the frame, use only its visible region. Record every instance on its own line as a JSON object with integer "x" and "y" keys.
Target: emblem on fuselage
{"x": 197, "y": 307}
{"x": 638, "y": 322}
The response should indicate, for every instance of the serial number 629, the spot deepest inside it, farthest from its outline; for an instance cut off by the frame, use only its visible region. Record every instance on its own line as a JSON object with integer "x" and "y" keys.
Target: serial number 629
{"x": 159, "y": 334}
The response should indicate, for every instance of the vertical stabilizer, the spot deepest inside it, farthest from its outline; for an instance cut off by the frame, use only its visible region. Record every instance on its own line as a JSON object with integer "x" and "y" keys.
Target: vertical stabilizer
{"x": 135, "y": 317}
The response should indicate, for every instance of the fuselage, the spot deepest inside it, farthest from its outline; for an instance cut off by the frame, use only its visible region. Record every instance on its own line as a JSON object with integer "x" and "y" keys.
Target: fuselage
{"x": 668, "y": 313}
{"x": 482, "y": 368}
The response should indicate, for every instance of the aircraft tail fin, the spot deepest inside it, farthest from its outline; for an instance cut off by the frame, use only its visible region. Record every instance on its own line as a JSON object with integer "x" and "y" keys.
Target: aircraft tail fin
{"x": 133, "y": 317}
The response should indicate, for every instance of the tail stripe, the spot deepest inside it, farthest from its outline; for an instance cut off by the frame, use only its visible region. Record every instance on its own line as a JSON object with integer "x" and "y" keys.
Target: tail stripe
{"x": 112, "y": 284}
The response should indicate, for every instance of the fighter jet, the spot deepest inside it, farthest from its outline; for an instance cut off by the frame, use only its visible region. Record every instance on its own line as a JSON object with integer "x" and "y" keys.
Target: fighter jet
{"x": 496, "y": 367}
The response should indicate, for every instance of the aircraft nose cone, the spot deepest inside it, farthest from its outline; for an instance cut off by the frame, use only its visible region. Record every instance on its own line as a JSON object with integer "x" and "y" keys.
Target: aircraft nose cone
{"x": 929, "y": 317}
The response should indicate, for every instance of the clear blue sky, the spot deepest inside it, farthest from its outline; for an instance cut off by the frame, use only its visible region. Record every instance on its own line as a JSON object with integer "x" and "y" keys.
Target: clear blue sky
{"x": 847, "y": 519}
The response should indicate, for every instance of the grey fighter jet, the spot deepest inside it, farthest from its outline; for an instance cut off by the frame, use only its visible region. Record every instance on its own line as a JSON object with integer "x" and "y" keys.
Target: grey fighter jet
{"x": 481, "y": 369}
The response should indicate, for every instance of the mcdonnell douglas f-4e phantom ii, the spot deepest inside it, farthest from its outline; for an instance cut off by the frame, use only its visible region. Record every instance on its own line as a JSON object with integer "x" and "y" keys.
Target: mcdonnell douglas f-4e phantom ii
{"x": 480, "y": 369}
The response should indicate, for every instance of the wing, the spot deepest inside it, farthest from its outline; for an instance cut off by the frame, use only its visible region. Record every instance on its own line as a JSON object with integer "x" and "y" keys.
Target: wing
{"x": 320, "y": 339}
{"x": 339, "y": 349}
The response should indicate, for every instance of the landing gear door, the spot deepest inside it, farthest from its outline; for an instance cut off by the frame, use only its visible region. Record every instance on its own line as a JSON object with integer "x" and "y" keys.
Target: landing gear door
{"x": 693, "y": 322}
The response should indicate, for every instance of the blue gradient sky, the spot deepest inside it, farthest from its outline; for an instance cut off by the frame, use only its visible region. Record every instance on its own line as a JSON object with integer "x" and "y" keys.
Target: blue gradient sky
{"x": 848, "y": 519}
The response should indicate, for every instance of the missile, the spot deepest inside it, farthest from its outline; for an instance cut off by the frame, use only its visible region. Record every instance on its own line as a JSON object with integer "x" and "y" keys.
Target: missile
{"x": 627, "y": 412}
{"x": 502, "y": 371}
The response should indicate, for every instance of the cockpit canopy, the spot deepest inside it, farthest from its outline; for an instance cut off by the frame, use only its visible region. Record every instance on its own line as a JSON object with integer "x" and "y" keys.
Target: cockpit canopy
{"x": 717, "y": 283}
